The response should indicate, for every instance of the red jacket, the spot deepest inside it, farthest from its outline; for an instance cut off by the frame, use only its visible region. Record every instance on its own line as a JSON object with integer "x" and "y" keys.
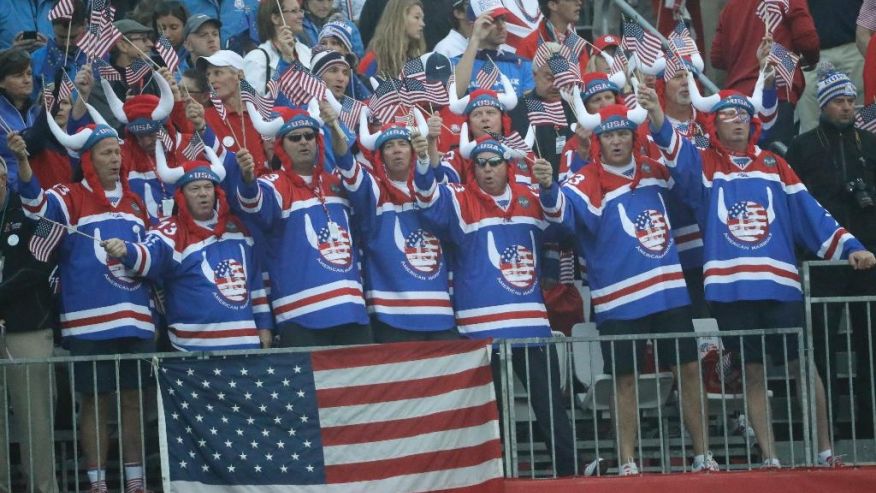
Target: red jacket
{"x": 235, "y": 139}
{"x": 870, "y": 72}
{"x": 739, "y": 32}
{"x": 527, "y": 46}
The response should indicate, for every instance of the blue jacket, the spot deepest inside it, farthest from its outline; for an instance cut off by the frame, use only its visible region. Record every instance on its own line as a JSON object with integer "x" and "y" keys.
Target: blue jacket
{"x": 18, "y": 122}
{"x": 518, "y": 70}
{"x": 236, "y": 16}
{"x": 24, "y": 15}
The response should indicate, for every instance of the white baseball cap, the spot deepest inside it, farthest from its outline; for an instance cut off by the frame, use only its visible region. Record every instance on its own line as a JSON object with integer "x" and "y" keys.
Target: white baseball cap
{"x": 222, "y": 58}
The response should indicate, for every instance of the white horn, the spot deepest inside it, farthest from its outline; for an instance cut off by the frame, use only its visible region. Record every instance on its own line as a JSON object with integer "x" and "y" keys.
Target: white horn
{"x": 313, "y": 110}
{"x": 508, "y": 98}
{"x": 398, "y": 236}
{"x": 420, "y": 121}
{"x": 366, "y": 138}
{"x": 529, "y": 140}
{"x": 756, "y": 98}
{"x": 310, "y": 233}
{"x": 638, "y": 114}
{"x": 116, "y": 105}
{"x": 700, "y": 103}
{"x": 629, "y": 227}
{"x": 697, "y": 61}
{"x": 165, "y": 103}
{"x": 216, "y": 164}
{"x": 771, "y": 213}
{"x": 73, "y": 142}
{"x": 206, "y": 269}
{"x": 585, "y": 118}
{"x": 722, "y": 208}
{"x": 619, "y": 79}
{"x": 658, "y": 66}
{"x": 457, "y": 105}
{"x": 268, "y": 128}
{"x": 465, "y": 146}
{"x": 333, "y": 101}
{"x": 167, "y": 175}
{"x": 495, "y": 259}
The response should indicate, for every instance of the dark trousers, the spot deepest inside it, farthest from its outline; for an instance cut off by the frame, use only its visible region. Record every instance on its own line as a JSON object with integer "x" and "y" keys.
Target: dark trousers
{"x": 294, "y": 335}
{"x": 387, "y": 333}
{"x": 546, "y": 401}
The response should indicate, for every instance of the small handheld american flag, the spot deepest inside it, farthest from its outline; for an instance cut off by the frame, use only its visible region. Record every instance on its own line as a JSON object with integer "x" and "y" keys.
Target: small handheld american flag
{"x": 641, "y": 41}
{"x": 65, "y": 91}
{"x": 194, "y": 148}
{"x": 350, "y": 111}
{"x": 543, "y": 113}
{"x": 300, "y": 86}
{"x": 865, "y": 119}
{"x": 107, "y": 71}
{"x": 786, "y": 64}
{"x": 263, "y": 104}
{"x": 680, "y": 40}
{"x": 771, "y": 12}
{"x": 217, "y": 104}
{"x": 487, "y": 75}
{"x": 63, "y": 10}
{"x": 566, "y": 72}
{"x": 45, "y": 239}
{"x": 573, "y": 45}
{"x": 136, "y": 72}
{"x": 167, "y": 53}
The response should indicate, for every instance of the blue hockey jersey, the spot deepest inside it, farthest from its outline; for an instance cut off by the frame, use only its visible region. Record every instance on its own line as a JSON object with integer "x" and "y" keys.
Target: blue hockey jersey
{"x": 314, "y": 264}
{"x": 100, "y": 297}
{"x": 215, "y": 300}
{"x": 405, "y": 266}
{"x": 496, "y": 288}
{"x": 754, "y": 211}
{"x": 622, "y": 228}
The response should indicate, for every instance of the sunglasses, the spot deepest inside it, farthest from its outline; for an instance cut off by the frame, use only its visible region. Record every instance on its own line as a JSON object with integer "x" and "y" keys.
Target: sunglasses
{"x": 734, "y": 116}
{"x": 297, "y": 137}
{"x": 492, "y": 162}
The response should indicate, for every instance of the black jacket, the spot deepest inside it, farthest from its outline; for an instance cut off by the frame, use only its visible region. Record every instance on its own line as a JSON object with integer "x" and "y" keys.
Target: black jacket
{"x": 25, "y": 298}
{"x": 835, "y": 21}
{"x": 826, "y": 159}
{"x": 546, "y": 136}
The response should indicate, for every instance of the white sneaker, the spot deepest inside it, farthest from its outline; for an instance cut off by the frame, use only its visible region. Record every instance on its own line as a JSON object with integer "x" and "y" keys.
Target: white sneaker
{"x": 628, "y": 469}
{"x": 708, "y": 464}
{"x": 596, "y": 467}
{"x": 771, "y": 464}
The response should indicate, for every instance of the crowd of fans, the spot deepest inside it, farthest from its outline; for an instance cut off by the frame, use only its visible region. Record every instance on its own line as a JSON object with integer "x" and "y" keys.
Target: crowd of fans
{"x": 237, "y": 175}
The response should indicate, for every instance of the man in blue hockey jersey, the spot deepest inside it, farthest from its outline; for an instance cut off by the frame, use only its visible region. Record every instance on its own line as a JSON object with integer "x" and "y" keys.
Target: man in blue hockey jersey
{"x": 204, "y": 255}
{"x": 104, "y": 308}
{"x": 617, "y": 204}
{"x": 406, "y": 273}
{"x": 754, "y": 212}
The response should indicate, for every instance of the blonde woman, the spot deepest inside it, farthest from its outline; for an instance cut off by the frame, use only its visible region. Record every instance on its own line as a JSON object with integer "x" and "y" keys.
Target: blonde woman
{"x": 399, "y": 37}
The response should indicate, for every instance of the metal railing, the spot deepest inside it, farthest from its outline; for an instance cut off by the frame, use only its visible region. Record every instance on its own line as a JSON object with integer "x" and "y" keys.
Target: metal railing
{"x": 839, "y": 306}
{"x": 662, "y": 444}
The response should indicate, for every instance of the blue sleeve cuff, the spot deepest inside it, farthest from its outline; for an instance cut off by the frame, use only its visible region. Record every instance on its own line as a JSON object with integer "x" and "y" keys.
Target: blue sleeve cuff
{"x": 549, "y": 196}
{"x": 130, "y": 257}
{"x": 663, "y": 137}
{"x": 770, "y": 98}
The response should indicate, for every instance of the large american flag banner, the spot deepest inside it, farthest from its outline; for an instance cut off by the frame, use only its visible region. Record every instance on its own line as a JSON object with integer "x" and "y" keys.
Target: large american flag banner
{"x": 388, "y": 418}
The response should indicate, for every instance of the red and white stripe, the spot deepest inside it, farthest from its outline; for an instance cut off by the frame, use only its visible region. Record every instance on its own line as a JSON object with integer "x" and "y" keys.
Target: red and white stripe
{"x": 409, "y": 302}
{"x": 687, "y": 237}
{"x": 638, "y": 287}
{"x": 194, "y": 336}
{"x": 250, "y": 204}
{"x": 833, "y": 247}
{"x": 501, "y": 317}
{"x": 435, "y": 416}
{"x": 260, "y": 301}
{"x": 319, "y": 298}
{"x": 106, "y": 318}
{"x": 143, "y": 261}
{"x": 751, "y": 269}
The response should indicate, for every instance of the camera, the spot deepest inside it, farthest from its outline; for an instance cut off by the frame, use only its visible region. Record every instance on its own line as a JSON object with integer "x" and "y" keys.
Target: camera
{"x": 862, "y": 193}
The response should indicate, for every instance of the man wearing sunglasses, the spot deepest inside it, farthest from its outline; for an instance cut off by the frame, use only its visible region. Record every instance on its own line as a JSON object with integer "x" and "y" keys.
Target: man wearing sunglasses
{"x": 754, "y": 211}
{"x": 500, "y": 227}
{"x": 313, "y": 260}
